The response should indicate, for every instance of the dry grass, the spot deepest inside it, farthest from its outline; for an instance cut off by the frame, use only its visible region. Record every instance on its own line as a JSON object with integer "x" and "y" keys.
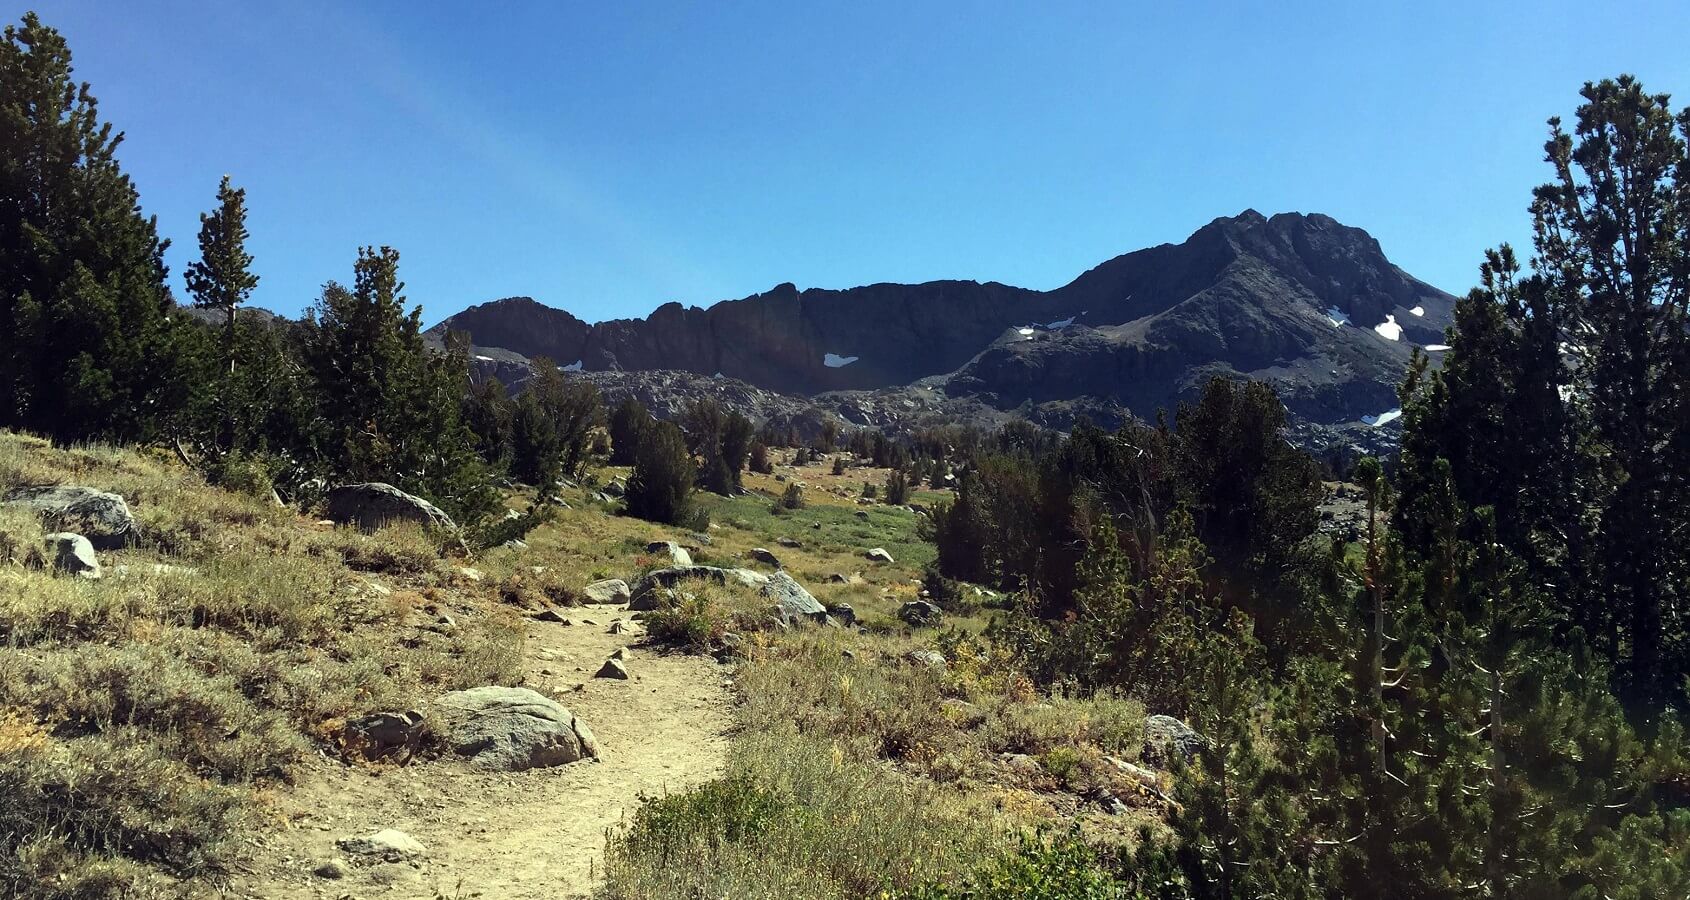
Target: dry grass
{"x": 139, "y": 712}
{"x": 861, "y": 773}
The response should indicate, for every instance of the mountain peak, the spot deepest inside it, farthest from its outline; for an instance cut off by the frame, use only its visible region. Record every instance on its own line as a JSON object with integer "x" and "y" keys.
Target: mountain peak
{"x": 1293, "y": 299}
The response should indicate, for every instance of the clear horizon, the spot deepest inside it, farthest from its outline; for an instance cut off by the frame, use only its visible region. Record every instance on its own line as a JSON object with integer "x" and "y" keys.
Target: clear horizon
{"x": 606, "y": 161}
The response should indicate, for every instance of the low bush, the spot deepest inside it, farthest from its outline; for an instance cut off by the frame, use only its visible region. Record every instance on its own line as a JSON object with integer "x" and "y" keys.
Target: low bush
{"x": 1042, "y": 869}
{"x": 794, "y": 819}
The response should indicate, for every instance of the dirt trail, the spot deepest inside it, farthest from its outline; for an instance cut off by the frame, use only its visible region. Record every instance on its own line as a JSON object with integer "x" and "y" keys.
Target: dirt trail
{"x": 535, "y": 834}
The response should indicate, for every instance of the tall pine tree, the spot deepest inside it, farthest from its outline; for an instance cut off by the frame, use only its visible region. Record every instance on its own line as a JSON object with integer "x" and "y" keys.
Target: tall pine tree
{"x": 223, "y": 278}
{"x": 391, "y": 406}
{"x": 90, "y": 347}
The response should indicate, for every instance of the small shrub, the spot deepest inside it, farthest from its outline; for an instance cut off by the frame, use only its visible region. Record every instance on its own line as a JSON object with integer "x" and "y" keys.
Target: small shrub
{"x": 1063, "y": 763}
{"x": 727, "y": 810}
{"x": 500, "y": 530}
{"x": 693, "y": 624}
{"x": 1040, "y": 869}
{"x": 241, "y": 473}
{"x": 870, "y": 491}
{"x": 839, "y": 465}
{"x": 528, "y": 589}
{"x": 792, "y": 497}
{"x": 945, "y": 593}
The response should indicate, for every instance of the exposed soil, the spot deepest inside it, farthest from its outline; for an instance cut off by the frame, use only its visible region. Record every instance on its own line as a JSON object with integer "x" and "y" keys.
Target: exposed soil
{"x": 534, "y": 834}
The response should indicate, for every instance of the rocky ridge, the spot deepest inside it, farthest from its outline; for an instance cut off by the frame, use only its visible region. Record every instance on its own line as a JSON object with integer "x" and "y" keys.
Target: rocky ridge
{"x": 1301, "y": 301}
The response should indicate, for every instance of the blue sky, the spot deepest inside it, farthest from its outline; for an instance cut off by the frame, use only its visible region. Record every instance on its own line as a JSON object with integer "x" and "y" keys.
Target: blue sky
{"x": 609, "y": 157}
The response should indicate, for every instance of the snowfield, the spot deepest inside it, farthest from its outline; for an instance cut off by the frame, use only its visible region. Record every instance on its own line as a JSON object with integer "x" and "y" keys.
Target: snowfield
{"x": 1389, "y": 329}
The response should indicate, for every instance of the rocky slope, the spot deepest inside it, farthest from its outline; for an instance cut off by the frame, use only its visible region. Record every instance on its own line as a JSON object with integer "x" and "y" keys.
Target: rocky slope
{"x": 1302, "y": 301}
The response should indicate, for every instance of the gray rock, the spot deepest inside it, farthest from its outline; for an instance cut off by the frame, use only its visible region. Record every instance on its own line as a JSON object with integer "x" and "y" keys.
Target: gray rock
{"x": 615, "y": 489}
{"x": 762, "y": 555}
{"x": 515, "y": 544}
{"x": 844, "y": 613}
{"x": 673, "y": 553}
{"x": 648, "y": 590}
{"x": 920, "y": 612}
{"x": 927, "y": 659}
{"x": 384, "y": 734}
{"x": 100, "y": 516}
{"x": 619, "y": 627}
{"x": 72, "y": 554}
{"x": 512, "y": 729}
{"x": 372, "y": 504}
{"x": 879, "y": 555}
{"x": 387, "y": 844}
{"x": 1023, "y": 765}
{"x": 793, "y": 603}
{"x": 613, "y": 668}
{"x": 789, "y": 542}
{"x": 332, "y": 869}
{"x": 1166, "y": 738}
{"x": 552, "y": 615}
{"x": 610, "y": 590}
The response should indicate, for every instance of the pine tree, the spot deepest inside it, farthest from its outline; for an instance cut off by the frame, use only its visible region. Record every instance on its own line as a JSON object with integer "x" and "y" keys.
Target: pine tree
{"x": 897, "y": 491}
{"x": 735, "y": 446}
{"x": 223, "y": 277}
{"x": 391, "y": 408}
{"x": 536, "y": 444}
{"x": 556, "y": 428}
{"x": 1561, "y": 404}
{"x": 490, "y": 416}
{"x": 628, "y": 424}
{"x": 660, "y": 488}
{"x": 1241, "y": 834}
{"x": 90, "y": 349}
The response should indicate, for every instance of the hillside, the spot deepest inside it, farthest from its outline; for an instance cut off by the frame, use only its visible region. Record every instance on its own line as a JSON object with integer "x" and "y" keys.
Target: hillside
{"x": 1301, "y": 301}
{"x": 234, "y": 654}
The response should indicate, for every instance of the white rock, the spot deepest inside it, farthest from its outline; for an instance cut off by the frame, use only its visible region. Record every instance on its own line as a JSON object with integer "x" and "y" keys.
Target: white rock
{"x": 388, "y": 843}
{"x": 72, "y": 554}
